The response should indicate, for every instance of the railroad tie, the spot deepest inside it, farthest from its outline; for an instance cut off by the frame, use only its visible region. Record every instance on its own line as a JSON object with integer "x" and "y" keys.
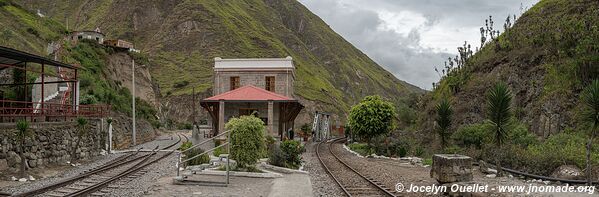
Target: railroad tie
{"x": 54, "y": 194}
{"x": 97, "y": 194}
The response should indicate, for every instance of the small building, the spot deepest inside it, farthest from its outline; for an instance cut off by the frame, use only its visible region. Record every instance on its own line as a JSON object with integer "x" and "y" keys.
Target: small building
{"x": 119, "y": 44}
{"x": 96, "y": 35}
{"x": 260, "y": 86}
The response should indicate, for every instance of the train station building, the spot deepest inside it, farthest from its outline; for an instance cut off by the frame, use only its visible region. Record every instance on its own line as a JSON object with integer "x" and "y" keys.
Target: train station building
{"x": 260, "y": 86}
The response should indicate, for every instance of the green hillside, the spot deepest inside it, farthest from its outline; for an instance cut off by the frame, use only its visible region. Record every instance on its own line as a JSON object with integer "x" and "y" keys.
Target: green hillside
{"x": 24, "y": 30}
{"x": 183, "y": 37}
{"x": 547, "y": 57}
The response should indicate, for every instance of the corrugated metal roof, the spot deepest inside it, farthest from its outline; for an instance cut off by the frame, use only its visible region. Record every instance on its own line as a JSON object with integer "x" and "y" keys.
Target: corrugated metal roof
{"x": 220, "y": 63}
{"x": 249, "y": 93}
{"x": 12, "y": 56}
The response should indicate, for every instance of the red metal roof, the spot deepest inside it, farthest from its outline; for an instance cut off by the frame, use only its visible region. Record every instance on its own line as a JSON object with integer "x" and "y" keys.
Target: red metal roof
{"x": 249, "y": 93}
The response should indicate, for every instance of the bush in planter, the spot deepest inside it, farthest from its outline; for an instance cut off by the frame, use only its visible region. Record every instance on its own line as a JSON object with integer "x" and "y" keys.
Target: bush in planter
{"x": 247, "y": 140}
{"x": 288, "y": 154}
{"x": 191, "y": 153}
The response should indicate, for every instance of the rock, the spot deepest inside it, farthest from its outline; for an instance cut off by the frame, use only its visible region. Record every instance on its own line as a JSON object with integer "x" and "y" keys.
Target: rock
{"x": 546, "y": 182}
{"x": 485, "y": 168}
{"x": 567, "y": 172}
{"x": 416, "y": 160}
{"x": 448, "y": 168}
{"x": 3, "y": 164}
{"x": 31, "y": 178}
{"x": 32, "y": 163}
{"x": 22, "y": 180}
{"x": 13, "y": 159}
{"x": 491, "y": 175}
{"x": 43, "y": 138}
{"x": 14, "y": 178}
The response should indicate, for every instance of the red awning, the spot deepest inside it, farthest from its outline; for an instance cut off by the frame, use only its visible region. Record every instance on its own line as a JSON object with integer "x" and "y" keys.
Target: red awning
{"x": 249, "y": 93}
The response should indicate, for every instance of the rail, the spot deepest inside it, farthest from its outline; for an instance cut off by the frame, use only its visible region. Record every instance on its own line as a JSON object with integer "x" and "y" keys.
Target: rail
{"x": 10, "y": 108}
{"x": 349, "y": 167}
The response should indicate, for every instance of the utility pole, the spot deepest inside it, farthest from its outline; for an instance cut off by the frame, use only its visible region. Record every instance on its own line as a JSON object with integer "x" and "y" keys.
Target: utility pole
{"x": 133, "y": 97}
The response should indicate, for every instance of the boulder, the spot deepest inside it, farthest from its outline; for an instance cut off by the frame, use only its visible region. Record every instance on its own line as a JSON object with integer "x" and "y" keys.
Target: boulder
{"x": 567, "y": 172}
{"x": 449, "y": 168}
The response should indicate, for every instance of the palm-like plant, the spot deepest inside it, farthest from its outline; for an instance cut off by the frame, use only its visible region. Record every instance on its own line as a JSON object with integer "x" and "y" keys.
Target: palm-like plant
{"x": 81, "y": 123}
{"x": 499, "y": 112}
{"x": 22, "y": 132}
{"x": 444, "y": 112}
{"x": 590, "y": 98}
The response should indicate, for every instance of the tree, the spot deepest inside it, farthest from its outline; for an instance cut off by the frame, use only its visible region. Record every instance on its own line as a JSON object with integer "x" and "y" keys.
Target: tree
{"x": 444, "y": 112}
{"x": 371, "y": 117}
{"x": 247, "y": 139}
{"x": 499, "y": 113}
{"x": 22, "y": 132}
{"x": 590, "y": 99}
{"x": 81, "y": 131}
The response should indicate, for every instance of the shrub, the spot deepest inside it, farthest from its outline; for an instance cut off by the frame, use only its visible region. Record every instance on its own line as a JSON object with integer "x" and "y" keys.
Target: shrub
{"x": 473, "y": 135}
{"x": 221, "y": 150}
{"x": 191, "y": 153}
{"x": 89, "y": 99}
{"x": 185, "y": 126}
{"x": 397, "y": 148}
{"x": 359, "y": 148}
{"x": 247, "y": 139}
{"x": 520, "y": 135}
{"x": 371, "y": 117}
{"x": 292, "y": 151}
{"x": 276, "y": 156}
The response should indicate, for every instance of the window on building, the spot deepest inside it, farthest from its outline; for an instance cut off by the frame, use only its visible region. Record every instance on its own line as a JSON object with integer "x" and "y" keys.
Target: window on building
{"x": 234, "y": 83}
{"x": 270, "y": 83}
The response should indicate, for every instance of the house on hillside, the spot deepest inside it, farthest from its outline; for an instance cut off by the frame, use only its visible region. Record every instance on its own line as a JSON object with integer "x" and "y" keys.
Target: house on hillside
{"x": 96, "y": 35}
{"x": 118, "y": 43}
{"x": 263, "y": 86}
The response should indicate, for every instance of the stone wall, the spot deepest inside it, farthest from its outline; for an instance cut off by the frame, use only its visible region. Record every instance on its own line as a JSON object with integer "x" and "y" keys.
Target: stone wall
{"x": 50, "y": 143}
{"x": 122, "y": 131}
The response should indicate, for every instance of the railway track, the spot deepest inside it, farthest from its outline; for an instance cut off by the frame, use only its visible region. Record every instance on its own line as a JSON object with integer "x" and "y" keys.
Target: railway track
{"x": 99, "y": 181}
{"x": 352, "y": 182}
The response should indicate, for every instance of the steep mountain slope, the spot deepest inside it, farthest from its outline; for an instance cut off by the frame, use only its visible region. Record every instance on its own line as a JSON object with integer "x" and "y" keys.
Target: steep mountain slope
{"x": 548, "y": 56}
{"x": 101, "y": 76}
{"x": 183, "y": 36}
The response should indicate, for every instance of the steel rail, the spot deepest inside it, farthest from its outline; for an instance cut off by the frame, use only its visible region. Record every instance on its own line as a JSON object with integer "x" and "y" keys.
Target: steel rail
{"x": 329, "y": 171}
{"x": 119, "y": 161}
{"x": 140, "y": 165}
{"x": 354, "y": 170}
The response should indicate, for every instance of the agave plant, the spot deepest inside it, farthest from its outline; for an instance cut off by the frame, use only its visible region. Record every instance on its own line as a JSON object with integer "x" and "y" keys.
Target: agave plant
{"x": 499, "y": 113}
{"x": 444, "y": 112}
{"x": 590, "y": 99}
{"x": 22, "y": 132}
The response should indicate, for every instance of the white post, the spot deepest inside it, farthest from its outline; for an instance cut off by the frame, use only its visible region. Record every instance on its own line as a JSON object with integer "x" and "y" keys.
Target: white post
{"x": 110, "y": 138}
{"x": 133, "y": 97}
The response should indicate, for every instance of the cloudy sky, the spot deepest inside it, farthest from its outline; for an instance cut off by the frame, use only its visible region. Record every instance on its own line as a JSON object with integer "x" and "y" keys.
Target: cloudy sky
{"x": 410, "y": 37}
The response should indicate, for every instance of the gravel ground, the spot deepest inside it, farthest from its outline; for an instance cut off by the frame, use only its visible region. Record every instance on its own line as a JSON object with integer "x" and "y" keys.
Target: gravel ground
{"x": 134, "y": 187}
{"x": 391, "y": 172}
{"x": 73, "y": 171}
{"x": 388, "y": 172}
{"x": 322, "y": 183}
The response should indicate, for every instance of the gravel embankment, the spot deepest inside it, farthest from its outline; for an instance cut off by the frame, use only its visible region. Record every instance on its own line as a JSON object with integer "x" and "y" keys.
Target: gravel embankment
{"x": 322, "y": 183}
{"x": 388, "y": 172}
{"x": 30, "y": 185}
{"x": 134, "y": 187}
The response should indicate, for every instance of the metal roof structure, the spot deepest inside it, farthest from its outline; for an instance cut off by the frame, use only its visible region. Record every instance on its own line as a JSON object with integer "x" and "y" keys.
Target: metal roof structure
{"x": 249, "y": 93}
{"x": 10, "y": 56}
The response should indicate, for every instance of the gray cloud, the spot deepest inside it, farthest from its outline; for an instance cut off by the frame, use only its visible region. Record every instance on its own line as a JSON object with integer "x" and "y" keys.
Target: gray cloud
{"x": 410, "y": 37}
